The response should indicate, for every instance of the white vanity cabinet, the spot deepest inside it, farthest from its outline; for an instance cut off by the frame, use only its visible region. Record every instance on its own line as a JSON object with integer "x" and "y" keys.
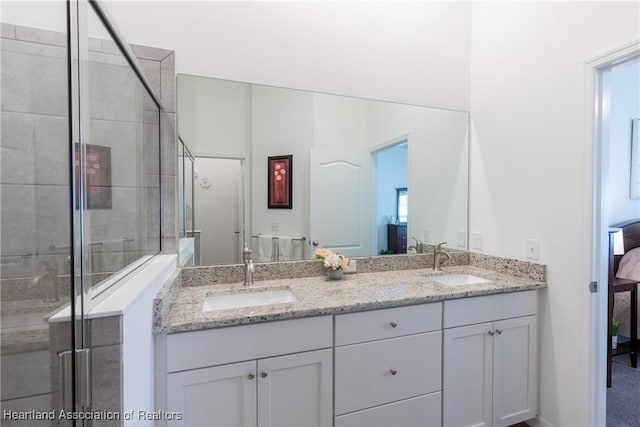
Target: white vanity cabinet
{"x": 270, "y": 389}
{"x": 388, "y": 367}
{"x": 490, "y": 352}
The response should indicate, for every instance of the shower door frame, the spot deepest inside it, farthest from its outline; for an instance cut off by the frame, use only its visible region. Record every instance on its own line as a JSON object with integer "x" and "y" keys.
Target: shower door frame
{"x": 75, "y": 382}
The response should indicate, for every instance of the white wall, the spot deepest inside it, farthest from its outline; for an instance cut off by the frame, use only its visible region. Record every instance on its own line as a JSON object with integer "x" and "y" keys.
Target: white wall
{"x": 282, "y": 124}
{"x": 413, "y": 52}
{"x": 624, "y": 93}
{"x": 527, "y": 160}
{"x": 214, "y": 116}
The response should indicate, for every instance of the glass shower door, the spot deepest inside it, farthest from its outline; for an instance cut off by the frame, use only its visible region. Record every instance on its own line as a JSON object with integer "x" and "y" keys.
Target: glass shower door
{"x": 36, "y": 249}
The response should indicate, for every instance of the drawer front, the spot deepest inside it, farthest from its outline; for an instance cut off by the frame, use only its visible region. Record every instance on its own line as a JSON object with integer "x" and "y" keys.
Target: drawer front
{"x": 380, "y": 372}
{"x": 373, "y": 325}
{"x": 467, "y": 311}
{"x": 190, "y": 350}
{"x": 417, "y": 411}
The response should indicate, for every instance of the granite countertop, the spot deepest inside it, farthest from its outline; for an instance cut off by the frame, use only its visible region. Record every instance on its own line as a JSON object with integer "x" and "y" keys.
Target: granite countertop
{"x": 320, "y": 296}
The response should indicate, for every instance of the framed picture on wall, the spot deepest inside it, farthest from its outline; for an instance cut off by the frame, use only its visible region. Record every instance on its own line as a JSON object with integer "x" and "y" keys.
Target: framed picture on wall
{"x": 97, "y": 176}
{"x": 279, "y": 182}
{"x": 634, "y": 192}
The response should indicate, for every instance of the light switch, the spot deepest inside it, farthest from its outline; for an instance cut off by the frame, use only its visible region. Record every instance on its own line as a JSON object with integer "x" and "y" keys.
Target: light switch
{"x": 462, "y": 239}
{"x": 275, "y": 226}
{"x": 476, "y": 240}
{"x": 533, "y": 249}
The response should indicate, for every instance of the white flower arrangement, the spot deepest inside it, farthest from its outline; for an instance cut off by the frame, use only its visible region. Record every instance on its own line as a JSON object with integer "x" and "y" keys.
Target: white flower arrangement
{"x": 331, "y": 259}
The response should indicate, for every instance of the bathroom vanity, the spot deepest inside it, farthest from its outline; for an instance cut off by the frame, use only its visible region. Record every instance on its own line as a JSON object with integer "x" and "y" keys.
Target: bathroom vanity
{"x": 384, "y": 348}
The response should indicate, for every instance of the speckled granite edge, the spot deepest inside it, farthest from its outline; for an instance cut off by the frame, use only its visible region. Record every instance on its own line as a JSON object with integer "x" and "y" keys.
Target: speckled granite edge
{"x": 319, "y": 296}
{"x": 165, "y": 297}
{"x": 223, "y": 274}
{"x": 509, "y": 266}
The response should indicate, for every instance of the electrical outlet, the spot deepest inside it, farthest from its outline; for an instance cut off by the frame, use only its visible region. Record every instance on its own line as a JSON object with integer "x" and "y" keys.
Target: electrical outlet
{"x": 476, "y": 239}
{"x": 533, "y": 249}
{"x": 462, "y": 239}
{"x": 426, "y": 235}
{"x": 352, "y": 267}
{"x": 275, "y": 226}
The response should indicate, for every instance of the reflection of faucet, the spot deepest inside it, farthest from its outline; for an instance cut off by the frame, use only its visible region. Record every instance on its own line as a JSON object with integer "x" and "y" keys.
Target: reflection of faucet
{"x": 436, "y": 255}
{"x": 420, "y": 246}
{"x": 248, "y": 266}
{"x": 47, "y": 282}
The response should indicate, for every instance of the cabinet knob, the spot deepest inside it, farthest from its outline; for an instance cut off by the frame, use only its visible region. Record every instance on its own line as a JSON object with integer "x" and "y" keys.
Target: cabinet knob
{"x": 251, "y": 376}
{"x": 491, "y": 333}
{"x": 393, "y": 372}
{"x": 394, "y": 324}
{"x": 498, "y": 331}
{"x": 264, "y": 374}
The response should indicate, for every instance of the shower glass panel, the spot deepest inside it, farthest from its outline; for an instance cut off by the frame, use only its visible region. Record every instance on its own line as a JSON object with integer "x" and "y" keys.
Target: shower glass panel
{"x": 122, "y": 163}
{"x": 36, "y": 246}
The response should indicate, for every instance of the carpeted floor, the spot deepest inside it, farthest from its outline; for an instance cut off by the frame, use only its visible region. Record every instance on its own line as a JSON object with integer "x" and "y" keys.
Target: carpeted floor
{"x": 623, "y": 398}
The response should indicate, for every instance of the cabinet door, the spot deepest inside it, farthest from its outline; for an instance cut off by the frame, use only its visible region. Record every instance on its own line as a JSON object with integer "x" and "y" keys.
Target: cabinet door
{"x": 218, "y": 396}
{"x": 514, "y": 370}
{"x": 466, "y": 391}
{"x": 296, "y": 390}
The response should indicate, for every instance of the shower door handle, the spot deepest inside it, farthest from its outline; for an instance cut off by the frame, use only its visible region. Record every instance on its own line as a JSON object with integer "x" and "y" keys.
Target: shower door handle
{"x": 82, "y": 377}
{"x": 65, "y": 384}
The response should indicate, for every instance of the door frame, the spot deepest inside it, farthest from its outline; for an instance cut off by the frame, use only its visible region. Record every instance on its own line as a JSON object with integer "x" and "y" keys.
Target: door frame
{"x": 373, "y": 151}
{"x": 591, "y": 370}
{"x": 244, "y": 200}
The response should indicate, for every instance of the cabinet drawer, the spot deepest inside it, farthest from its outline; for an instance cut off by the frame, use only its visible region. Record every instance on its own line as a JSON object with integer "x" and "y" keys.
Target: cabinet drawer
{"x": 190, "y": 350}
{"x": 467, "y": 311}
{"x": 417, "y": 411}
{"x": 373, "y": 325}
{"x": 364, "y": 373}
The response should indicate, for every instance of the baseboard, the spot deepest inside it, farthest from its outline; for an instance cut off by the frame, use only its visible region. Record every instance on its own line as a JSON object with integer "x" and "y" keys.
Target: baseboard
{"x": 539, "y": 422}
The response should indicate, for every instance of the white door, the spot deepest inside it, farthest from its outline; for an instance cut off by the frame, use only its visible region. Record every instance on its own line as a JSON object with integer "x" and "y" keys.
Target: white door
{"x": 340, "y": 201}
{"x": 466, "y": 390}
{"x": 214, "y": 397}
{"x": 296, "y": 390}
{"x": 514, "y": 371}
{"x": 218, "y": 209}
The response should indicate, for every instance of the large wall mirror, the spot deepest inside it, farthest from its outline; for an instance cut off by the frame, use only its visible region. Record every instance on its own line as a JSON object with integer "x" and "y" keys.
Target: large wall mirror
{"x": 364, "y": 178}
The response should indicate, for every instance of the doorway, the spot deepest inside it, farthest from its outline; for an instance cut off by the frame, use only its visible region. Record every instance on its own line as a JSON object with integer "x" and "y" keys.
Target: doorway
{"x": 392, "y": 197}
{"x": 620, "y": 94}
{"x": 219, "y": 212}
{"x": 602, "y": 164}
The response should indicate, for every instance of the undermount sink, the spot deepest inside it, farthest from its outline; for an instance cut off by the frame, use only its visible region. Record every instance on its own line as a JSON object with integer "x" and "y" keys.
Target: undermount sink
{"x": 248, "y": 299}
{"x": 459, "y": 279}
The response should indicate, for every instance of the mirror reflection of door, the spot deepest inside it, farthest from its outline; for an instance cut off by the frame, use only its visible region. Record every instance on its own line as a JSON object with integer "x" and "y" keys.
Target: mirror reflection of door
{"x": 392, "y": 197}
{"x": 218, "y": 209}
{"x": 340, "y": 201}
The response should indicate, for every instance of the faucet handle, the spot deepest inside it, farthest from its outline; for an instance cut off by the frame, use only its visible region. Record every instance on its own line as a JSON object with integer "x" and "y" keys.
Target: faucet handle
{"x": 246, "y": 253}
{"x": 439, "y": 245}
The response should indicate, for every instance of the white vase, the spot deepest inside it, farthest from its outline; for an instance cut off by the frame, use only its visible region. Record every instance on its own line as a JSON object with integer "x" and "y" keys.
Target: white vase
{"x": 334, "y": 274}
{"x": 614, "y": 342}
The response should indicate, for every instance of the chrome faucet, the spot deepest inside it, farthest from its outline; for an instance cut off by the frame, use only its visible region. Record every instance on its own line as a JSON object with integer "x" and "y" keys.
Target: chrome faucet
{"x": 420, "y": 246}
{"x": 437, "y": 253}
{"x": 248, "y": 266}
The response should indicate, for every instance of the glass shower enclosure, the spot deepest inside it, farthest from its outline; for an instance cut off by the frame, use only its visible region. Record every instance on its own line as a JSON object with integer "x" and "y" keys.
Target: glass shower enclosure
{"x": 79, "y": 198}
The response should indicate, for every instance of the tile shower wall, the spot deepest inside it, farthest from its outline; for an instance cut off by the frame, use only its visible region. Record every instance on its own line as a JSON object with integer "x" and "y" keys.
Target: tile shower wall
{"x": 34, "y": 212}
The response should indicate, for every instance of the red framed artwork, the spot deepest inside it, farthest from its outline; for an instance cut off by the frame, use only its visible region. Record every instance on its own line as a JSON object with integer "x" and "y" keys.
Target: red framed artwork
{"x": 98, "y": 176}
{"x": 279, "y": 182}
